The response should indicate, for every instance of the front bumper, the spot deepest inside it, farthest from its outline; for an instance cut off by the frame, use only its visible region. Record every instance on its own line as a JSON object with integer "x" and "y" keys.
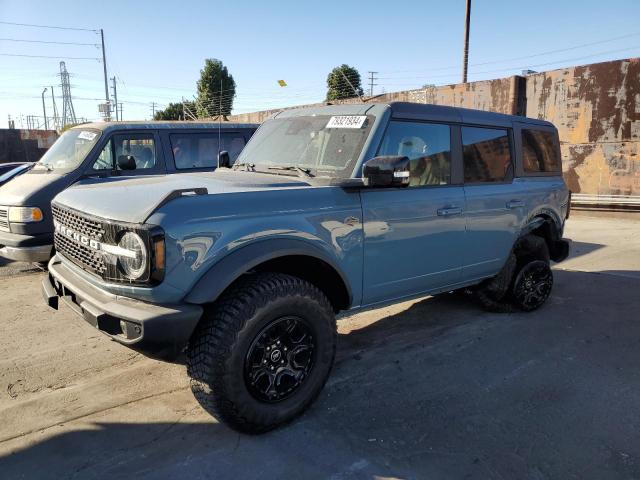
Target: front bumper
{"x": 26, "y": 248}
{"x": 144, "y": 326}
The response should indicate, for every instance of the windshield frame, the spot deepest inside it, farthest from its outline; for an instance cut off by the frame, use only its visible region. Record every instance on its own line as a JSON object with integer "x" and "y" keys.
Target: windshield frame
{"x": 94, "y": 143}
{"x": 361, "y": 147}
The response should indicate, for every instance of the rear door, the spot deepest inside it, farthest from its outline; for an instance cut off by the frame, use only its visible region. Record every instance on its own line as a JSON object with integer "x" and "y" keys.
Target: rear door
{"x": 495, "y": 203}
{"x": 414, "y": 236}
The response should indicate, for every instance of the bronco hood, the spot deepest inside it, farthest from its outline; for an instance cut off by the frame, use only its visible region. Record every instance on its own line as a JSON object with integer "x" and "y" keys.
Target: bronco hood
{"x": 133, "y": 199}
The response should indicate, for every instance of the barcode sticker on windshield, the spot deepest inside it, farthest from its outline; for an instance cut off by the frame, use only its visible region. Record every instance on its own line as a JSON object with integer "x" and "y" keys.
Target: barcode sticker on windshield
{"x": 346, "y": 121}
{"x": 84, "y": 135}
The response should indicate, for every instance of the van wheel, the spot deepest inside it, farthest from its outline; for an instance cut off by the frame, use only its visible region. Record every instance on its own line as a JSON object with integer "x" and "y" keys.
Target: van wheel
{"x": 532, "y": 285}
{"x": 263, "y": 351}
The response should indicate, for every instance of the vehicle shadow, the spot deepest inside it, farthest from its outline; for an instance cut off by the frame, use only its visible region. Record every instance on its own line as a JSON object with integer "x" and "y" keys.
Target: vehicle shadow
{"x": 436, "y": 389}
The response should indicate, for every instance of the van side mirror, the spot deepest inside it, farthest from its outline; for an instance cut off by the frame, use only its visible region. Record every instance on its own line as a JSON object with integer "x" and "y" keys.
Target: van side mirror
{"x": 126, "y": 162}
{"x": 386, "y": 171}
{"x": 223, "y": 159}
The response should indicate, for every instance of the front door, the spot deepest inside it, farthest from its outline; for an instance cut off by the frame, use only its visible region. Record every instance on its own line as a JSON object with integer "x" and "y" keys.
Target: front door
{"x": 144, "y": 149}
{"x": 413, "y": 236}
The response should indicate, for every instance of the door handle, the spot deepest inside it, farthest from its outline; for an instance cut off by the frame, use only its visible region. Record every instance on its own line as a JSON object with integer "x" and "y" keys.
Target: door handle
{"x": 446, "y": 212}
{"x": 515, "y": 204}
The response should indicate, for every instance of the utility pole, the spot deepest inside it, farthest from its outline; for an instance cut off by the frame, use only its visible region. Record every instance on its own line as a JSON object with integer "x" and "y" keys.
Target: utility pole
{"x": 104, "y": 67}
{"x": 44, "y": 109}
{"x": 115, "y": 96}
{"x": 465, "y": 58}
{"x": 55, "y": 110}
{"x": 372, "y": 78}
{"x": 120, "y": 110}
{"x": 153, "y": 110}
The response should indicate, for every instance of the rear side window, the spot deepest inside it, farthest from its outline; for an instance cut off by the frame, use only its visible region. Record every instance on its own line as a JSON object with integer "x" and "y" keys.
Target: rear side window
{"x": 428, "y": 147}
{"x": 197, "y": 150}
{"x": 540, "y": 152}
{"x": 487, "y": 154}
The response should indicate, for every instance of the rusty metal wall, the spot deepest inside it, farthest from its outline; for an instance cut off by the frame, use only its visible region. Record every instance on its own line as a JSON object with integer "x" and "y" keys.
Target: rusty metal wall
{"x": 596, "y": 109}
{"x": 503, "y": 95}
{"x": 21, "y": 145}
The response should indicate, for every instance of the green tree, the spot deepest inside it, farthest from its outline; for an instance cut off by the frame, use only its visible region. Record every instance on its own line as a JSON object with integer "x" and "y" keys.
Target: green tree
{"x": 174, "y": 111}
{"x": 216, "y": 90}
{"x": 338, "y": 87}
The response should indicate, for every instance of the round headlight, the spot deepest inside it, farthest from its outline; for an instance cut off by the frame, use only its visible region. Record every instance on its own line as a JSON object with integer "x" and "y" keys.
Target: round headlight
{"x": 135, "y": 264}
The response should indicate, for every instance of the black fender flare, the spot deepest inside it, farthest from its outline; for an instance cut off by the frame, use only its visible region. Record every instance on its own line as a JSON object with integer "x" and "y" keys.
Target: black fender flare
{"x": 236, "y": 263}
{"x": 558, "y": 246}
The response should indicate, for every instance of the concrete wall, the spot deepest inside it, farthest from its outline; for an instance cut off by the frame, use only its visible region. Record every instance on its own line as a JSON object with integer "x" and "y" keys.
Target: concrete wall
{"x": 20, "y": 145}
{"x": 595, "y": 107}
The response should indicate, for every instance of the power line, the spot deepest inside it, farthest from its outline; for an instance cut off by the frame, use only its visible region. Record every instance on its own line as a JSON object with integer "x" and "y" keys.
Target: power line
{"x": 49, "y": 26}
{"x": 521, "y": 67}
{"x": 48, "y": 56}
{"x": 525, "y": 57}
{"x": 47, "y": 41}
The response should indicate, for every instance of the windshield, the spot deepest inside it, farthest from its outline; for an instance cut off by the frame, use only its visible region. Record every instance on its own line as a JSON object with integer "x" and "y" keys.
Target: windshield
{"x": 70, "y": 149}
{"x": 327, "y": 145}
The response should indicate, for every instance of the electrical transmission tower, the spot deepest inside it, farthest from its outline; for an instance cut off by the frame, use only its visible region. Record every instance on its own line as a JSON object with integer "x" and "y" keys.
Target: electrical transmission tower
{"x": 68, "y": 113}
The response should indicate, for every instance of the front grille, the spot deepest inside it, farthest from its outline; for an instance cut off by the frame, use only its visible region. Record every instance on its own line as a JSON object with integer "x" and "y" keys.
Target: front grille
{"x": 4, "y": 219}
{"x": 85, "y": 257}
{"x": 80, "y": 254}
{"x": 78, "y": 223}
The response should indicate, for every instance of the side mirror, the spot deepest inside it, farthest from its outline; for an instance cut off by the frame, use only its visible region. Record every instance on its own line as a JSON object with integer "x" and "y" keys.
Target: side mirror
{"x": 386, "y": 171}
{"x": 126, "y": 162}
{"x": 223, "y": 159}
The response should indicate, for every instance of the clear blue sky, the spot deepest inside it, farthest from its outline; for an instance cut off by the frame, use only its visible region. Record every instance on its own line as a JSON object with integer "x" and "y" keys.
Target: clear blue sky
{"x": 156, "y": 48}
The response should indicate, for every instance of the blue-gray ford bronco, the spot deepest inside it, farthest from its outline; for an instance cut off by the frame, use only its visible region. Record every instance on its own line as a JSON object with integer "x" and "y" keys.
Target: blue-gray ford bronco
{"x": 328, "y": 209}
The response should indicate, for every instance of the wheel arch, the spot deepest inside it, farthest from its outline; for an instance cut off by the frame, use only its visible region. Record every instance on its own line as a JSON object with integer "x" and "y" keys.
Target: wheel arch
{"x": 545, "y": 224}
{"x": 294, "y": 257}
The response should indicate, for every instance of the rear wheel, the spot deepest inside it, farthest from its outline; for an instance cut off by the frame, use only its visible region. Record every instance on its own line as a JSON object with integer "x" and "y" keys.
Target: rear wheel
{"x": 532, "y": 285}
{"x": 526, "y": 268}
{"x": 263, "y": 352}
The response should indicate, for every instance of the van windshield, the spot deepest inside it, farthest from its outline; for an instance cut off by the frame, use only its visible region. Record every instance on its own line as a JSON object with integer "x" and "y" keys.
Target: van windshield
{"x": 70, "y": 149}
{"x": 326, "y": 145}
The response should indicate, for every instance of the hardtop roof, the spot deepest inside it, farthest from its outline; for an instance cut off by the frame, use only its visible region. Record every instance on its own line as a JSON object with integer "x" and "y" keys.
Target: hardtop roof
{"x": 415, "y": 111}
{"x": 164, "y": 125}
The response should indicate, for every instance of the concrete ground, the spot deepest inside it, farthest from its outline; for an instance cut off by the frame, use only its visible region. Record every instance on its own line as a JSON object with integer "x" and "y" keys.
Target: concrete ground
{"x": 434, "y": 388}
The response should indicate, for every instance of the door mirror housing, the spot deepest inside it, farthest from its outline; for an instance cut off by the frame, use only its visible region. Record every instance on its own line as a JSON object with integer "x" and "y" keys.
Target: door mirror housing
{"x": 386, "y": 171}
{"x": 223, "y": 159}
{"x": 126, "y": 162}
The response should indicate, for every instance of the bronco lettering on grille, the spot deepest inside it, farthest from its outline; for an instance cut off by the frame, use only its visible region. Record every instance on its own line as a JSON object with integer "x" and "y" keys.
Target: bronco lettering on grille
{"x": 78, "y": 237}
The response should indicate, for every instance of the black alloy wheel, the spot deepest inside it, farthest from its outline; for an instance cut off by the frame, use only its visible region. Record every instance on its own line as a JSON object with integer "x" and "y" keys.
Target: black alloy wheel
{"x": 533, "y": 285}
{"x": 280, "y": 359}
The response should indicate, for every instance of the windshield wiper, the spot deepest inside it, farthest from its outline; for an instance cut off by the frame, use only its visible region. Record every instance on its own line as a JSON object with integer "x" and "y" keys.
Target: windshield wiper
{"x": 248, "y": 167}
{"x": 302, "y": 172}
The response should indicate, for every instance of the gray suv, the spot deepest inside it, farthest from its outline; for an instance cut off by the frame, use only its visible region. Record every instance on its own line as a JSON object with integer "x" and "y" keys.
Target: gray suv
{"x": 96, "y": 151}
{"x": 328, "y": 209}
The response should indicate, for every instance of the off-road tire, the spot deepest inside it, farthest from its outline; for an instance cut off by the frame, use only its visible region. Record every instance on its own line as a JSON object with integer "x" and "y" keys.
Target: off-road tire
{"x": 491, "y": 293}
{"x": 219, "y": 348}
